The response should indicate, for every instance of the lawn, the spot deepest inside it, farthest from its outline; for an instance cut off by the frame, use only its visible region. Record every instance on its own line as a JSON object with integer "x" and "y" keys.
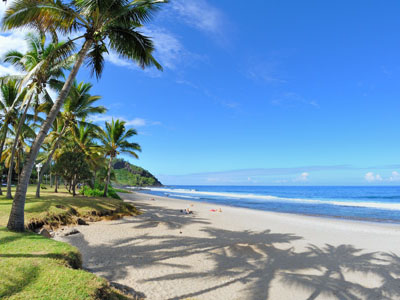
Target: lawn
{"x": 34, "y": 267}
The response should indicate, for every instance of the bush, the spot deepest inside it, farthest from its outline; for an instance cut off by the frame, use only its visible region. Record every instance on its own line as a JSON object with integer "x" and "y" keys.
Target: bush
{"x": 98, "y": 191}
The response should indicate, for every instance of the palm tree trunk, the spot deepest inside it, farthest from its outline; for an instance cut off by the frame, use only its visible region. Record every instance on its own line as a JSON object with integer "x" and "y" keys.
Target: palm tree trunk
{"x": 73, "y": 186}
{"x": 3, "y": 140}
{"x": 16, "y": 220}
{"x": 47, "y": 164}
{"x": 56, "y": 184}
{"x": 18, "y": 167}
{"x": 108, "y": 177}
{"x": 14, "y": 147}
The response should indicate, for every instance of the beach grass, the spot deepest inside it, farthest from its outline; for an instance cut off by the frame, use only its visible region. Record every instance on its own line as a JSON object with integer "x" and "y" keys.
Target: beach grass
{"x": 35, "y": 267}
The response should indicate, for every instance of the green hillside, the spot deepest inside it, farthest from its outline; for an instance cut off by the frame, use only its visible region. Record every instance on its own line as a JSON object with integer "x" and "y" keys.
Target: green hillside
{"x": 128, "y": 174}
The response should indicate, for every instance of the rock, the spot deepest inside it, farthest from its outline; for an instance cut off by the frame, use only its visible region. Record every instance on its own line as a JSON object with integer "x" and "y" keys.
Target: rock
{"x": 81, "y": 222}
{"x": 70, "y": 231}
{"x": 44, "y": 232}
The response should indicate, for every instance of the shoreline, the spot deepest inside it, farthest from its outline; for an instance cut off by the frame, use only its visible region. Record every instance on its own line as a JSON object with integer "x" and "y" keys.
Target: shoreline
{"x": 318, "y": 216}
{"x": 238, "y": 253}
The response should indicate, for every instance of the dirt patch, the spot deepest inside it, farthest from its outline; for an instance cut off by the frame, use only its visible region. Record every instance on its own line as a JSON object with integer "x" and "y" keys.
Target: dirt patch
{"x": 71, "y": 216}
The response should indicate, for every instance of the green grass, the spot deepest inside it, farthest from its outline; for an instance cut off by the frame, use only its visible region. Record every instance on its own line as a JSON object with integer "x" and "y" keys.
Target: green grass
{"x": 55, "y": 209}
{"x": 34, "y": 267}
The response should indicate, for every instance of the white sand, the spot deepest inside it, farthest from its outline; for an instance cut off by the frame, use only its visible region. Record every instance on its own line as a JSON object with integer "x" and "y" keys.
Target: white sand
{"x": 241, "y": 254}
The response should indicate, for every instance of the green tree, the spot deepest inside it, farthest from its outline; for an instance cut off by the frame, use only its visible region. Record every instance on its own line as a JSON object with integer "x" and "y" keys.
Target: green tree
{"x": 10, "y": 101}
{"x": 22, "y": 147}
{"x": 115, "y": 141}
{"x": 73, "y": 168}
{"x": 41, "y": 63}
{"x": 77, "y": 107}
{"x": 85, "y": 137}
{"x": 106, "y": 25}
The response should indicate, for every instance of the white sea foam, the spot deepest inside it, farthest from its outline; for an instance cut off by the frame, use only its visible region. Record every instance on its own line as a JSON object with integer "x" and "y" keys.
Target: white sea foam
{"x": 183, "y": 196}
{"x": 375, "y": 205}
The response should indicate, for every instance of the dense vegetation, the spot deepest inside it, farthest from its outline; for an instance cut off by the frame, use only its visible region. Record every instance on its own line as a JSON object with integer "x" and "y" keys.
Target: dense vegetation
{"x": 36, "y": 129}
{"x": 128, "y": 174}
{"x": 54, "y": 136}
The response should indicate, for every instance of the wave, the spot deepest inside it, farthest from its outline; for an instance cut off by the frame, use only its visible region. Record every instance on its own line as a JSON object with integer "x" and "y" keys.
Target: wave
{"x": 183, "y": 196}
{"x": 378, "y": 197}
{"x": 361, "y": 204}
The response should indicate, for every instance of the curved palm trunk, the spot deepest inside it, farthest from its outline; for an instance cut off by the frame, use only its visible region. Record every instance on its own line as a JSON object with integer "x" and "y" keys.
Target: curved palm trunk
{"x": 16, "y": 220}
{"x": 47, "y": 164}
{"x": 3, "y": 140}
{"x": 108, "y": 177}
{"x": 14, "y": 148}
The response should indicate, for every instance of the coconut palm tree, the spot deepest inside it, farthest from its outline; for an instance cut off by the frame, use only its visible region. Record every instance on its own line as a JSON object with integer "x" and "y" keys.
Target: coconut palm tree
{"x": 10, "y": 101}
{"x": 85, "y": 137}
{"x": 106, "y": 25}
{"x": 78, "y": 105}
{"x": 41, "y": 63}
{"x": 115, "y": 141}
{"x": 27, "y": 133}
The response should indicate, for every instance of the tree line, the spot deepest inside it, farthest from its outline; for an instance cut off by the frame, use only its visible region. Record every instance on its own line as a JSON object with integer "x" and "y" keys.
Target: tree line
{"x": 37, "y": 128}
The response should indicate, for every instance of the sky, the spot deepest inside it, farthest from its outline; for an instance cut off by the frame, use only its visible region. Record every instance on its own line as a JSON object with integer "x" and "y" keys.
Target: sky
{"x": 272, "y": 93}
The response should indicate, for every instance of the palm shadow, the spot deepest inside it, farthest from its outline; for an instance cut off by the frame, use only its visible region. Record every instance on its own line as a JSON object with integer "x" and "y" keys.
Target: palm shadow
{"x": 155, "y": 216}
{"x": 256, "y": 260}
{"x": 333, "y": 263}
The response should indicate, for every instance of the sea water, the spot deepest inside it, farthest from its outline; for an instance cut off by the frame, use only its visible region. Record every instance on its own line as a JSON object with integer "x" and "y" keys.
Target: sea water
{"x": 372, "y": 203}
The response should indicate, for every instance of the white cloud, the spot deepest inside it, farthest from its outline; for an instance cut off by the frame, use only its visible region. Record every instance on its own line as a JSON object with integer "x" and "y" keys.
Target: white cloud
{"x": 303, "y": 177}
{"x": 14, "y": 40}
{"x": 395, "y": 176}
{"x": 9, "y": 41}
{"x": 199, "y": 14}
{"x": 136, "y": 122}
{"x": 371, "y": 177}
{"x": 169, "y": 51}
{"x": 291, "y": 99}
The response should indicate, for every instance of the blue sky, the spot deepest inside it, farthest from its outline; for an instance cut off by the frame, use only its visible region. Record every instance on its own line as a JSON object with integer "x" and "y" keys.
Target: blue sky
{"x": 272, "y": 93}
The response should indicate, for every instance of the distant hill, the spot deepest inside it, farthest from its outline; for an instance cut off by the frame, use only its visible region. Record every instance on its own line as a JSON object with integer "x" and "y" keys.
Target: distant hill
{"x": 128, "y": 174}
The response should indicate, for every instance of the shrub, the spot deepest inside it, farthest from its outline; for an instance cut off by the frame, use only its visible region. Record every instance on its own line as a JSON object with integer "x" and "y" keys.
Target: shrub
{"x": 98, "y": 190}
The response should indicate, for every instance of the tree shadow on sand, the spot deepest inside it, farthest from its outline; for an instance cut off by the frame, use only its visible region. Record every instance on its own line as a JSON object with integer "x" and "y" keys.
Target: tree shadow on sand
{"x": 332, "y": 263}
{"x": 155, "y": 216}
{"x": 256, "y": 260}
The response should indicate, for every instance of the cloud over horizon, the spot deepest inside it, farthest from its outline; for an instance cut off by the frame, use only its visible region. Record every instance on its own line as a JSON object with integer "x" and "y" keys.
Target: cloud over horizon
{"x": 136, "y": 122}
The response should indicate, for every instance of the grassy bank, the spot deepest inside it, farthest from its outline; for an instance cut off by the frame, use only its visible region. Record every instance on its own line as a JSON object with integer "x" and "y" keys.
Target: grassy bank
{"x": 58, "y": 209}
{"x": 34, "y": 267}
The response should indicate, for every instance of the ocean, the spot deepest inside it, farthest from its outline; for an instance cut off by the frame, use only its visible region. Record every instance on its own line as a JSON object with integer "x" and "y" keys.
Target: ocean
{"x": 372, "y": 203}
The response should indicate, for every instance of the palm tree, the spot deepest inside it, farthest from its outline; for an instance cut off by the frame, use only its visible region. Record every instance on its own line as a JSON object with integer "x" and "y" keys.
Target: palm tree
{"x": 112, "y": 25}
{"x": 10, "y": 100}
{"x": 115, "y": 141}
{"x": 27, "y": 133}
{"x": 41, "y": 63}
{"x": 78, "y": 105}
{"x": 85, "y": 137}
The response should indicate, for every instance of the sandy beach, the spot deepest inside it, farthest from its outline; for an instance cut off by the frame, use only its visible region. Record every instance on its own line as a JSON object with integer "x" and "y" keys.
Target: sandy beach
{"x": 240, "y": 253}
